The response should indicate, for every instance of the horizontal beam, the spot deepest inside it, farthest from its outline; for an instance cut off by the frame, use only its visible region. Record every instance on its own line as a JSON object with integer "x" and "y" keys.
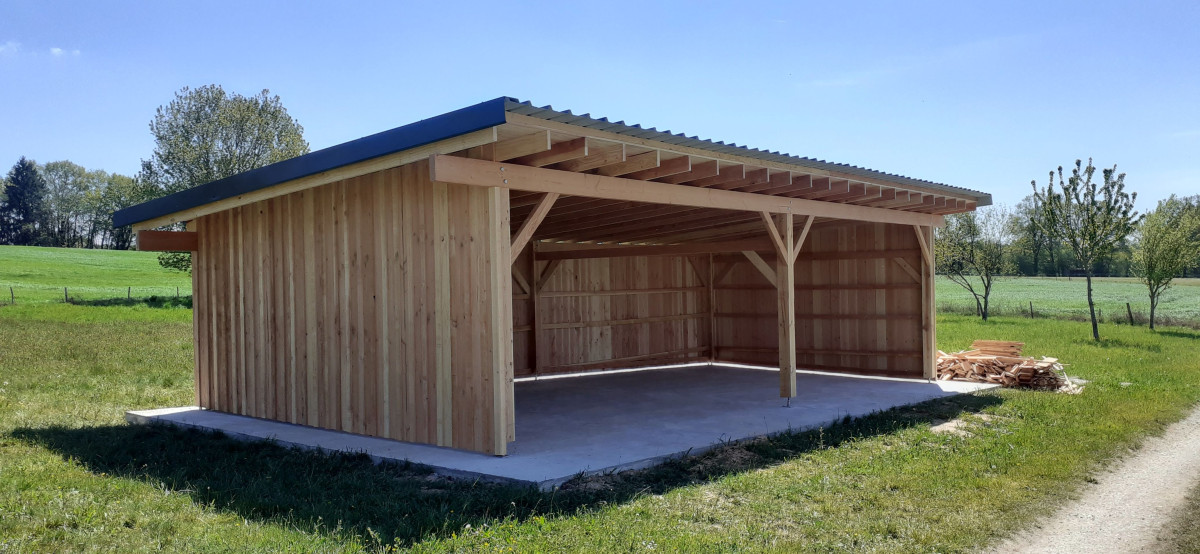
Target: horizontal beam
{"x": 451, "y": 169}
{"x": 167, "y": 241}
{"x": 584, "y": 251}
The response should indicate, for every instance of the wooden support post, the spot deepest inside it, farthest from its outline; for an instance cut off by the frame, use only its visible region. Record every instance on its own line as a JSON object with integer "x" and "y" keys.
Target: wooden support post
{"x": 928, "y": 313}
{"x": 501, "y": 322}
{"x": 785, "y": 284}
{"x": 535, "y": 314}
{"x": 712, "y": 311}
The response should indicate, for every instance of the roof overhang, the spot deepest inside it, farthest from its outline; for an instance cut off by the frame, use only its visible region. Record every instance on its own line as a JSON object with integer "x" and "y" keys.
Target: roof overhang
{"x": 519, "y": 133}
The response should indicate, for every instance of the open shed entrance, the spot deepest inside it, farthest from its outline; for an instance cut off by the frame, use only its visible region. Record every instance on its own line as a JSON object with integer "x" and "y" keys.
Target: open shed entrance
{"x": 395, "y": 286}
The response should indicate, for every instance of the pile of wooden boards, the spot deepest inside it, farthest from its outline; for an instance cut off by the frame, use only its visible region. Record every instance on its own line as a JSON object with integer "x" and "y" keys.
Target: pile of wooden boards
{"x": 1000, "y": 362}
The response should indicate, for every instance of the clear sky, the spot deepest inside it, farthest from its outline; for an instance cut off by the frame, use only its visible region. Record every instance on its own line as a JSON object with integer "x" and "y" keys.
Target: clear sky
{"x": 980, "y": 96}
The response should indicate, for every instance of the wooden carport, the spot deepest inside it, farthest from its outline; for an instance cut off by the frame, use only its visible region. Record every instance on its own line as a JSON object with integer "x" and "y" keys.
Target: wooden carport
{"x": 395, "y": 286}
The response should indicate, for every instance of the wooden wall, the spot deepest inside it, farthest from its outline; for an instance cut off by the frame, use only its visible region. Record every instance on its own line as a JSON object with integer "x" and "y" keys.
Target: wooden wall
{"x": 379, "y": 305}
{"x": 858, "y": 309}
{"x": 612, "y": 313}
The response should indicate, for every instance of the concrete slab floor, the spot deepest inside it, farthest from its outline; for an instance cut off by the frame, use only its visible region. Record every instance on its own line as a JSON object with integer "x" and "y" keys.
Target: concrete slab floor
{"x": 611, "y": 421}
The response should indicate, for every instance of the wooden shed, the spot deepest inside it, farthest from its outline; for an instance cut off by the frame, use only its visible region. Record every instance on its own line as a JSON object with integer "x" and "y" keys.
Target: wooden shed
{"x": 395, "y": 285}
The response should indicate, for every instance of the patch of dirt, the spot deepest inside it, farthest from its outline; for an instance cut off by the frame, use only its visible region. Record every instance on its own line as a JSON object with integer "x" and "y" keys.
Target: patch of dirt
{"x": 962, "y": 426}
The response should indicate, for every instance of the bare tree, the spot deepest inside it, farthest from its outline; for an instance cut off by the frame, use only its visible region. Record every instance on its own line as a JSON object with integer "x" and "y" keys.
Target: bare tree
{"x": 1167, "y": 243}
{"x": 970, "y": 251}
{"x": 1089, "y": 218}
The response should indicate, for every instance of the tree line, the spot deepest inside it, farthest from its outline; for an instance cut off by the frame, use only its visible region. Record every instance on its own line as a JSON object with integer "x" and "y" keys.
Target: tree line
{"x": 66, "y": 205}
{"x": 202, "y": 135}
{"x": 1076, "y": 225}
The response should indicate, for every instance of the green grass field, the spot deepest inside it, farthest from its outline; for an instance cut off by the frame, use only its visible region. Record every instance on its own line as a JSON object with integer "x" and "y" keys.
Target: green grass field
{"x": 75, "y": 477}
{"x": 39, "y": 275}
{"x": 1062, "y": 297}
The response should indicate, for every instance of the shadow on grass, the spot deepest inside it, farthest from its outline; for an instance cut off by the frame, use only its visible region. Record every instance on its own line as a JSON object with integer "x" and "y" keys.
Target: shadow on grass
{"x": 1179, "y": 333}
{"x": 149, "y": 302}
{"x": 404, "y": 503}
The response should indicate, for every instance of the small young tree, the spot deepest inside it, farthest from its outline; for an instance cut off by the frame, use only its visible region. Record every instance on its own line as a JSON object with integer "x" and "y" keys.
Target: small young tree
{"x": 970, "y": 248}
{"x": 1089, "y": 218}
{"x": 1167, "y": 243}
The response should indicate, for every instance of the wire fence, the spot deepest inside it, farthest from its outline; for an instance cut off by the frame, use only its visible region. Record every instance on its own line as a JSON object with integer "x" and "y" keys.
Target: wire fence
{"x": 159, "y": 296}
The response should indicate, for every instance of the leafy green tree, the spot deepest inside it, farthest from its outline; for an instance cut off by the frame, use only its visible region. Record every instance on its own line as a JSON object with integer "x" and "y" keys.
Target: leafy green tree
{"x": 1031, "y": 246}
{"x": 1090, "y": 218}
{"x": 1168, "y": 240}
{"x": 67, "y": 186}
{"x": 207, "y": 134}
{"x": 118, "y": 192}
{"x": 970, "y": 251}
{"x": 23, "y": 216}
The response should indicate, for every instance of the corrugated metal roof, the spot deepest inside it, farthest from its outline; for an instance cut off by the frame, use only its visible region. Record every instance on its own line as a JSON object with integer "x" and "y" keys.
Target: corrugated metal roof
{"x": 460, "y": 122}
{"x": 586, "y": 121}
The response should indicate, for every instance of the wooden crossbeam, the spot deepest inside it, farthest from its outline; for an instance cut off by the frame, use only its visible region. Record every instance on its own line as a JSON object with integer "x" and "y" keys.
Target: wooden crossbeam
{"x": 531, "y": 224}
{"x": 588, "y": 251}
{"x": 466, "y": 171}
{"x": 520, "y": 279}
{"x": 167, "y": 241}
{"x": 908, "y": 268}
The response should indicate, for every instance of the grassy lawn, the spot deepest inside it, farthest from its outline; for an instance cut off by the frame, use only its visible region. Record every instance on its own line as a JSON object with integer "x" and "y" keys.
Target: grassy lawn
{"x": 1060, "y": 296}
{"x": 74, "y": 477}
{"x": 39, "y": 275}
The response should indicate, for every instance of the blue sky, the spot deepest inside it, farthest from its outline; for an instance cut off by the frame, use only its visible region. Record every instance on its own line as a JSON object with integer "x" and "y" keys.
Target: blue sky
{"x": 981, "y": 96}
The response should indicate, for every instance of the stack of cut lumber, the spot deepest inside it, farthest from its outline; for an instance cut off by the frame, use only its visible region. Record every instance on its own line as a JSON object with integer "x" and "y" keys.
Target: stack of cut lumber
{"x": 1001, "y": 363}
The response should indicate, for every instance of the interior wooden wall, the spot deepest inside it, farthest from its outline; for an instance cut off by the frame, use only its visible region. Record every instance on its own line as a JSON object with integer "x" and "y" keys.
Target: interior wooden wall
{"x": 377, "y": 305}
{"x": 612, "y": 313}
{"x": 857, "y": 309}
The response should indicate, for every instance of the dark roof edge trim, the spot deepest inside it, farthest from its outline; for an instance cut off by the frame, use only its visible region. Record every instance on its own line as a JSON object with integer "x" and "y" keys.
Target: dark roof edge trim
{"x": 427, "y": 131}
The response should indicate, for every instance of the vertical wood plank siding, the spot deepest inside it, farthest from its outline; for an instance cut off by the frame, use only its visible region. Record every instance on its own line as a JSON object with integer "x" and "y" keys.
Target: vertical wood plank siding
{"x": 370, "y": 305}
{"x": 857, "y": 310}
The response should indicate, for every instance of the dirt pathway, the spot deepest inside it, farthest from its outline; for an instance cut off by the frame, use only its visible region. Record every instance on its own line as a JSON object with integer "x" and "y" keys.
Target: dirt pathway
{"x": 1129, "y": 505}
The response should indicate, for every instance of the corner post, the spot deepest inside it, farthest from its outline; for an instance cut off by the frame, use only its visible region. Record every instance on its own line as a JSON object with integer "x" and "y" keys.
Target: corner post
{"x": 785, "y": 284}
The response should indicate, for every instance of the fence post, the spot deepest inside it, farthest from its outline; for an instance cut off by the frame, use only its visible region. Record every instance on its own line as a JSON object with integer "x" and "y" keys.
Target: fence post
{"x": 177, "y": 293}
{"x": 129, "y": 293}
{"x": 1129, "y": 311}
{"x": 1030, "y": 309}
{"x": 12, "y": 297}
{"x": 66, "y": 299}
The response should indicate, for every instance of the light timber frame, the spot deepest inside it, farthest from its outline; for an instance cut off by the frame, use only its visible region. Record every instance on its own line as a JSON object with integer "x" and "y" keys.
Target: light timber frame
{"x": 399, "y": 297}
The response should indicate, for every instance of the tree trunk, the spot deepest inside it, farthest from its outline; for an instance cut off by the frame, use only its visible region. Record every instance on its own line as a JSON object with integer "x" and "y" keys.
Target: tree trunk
{"x": 985, "y": 307}
{"x": 1153, "y": 305}
{"x": 1092, "y": 307}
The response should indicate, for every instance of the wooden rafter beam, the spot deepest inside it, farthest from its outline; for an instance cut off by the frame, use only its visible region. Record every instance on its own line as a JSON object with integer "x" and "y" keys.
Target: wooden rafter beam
{"x": 760, "y": 179}
{"x": 466, "y": 171}
{"x": 598, "y": 156}
{"x": 531, "y": 224}
{"x": 781, "y": 249}
{"x": 701, "y": 170}
{"x": 560, "y": 152}
{"x": 521, "y": 146}
{"x": 632, "y": 164}
{"x": 725, "y": 174}
{"x": 665, "y": 168}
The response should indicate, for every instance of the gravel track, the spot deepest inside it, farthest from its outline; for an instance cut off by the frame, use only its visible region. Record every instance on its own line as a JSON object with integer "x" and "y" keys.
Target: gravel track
{"x": 1128, "y": 506}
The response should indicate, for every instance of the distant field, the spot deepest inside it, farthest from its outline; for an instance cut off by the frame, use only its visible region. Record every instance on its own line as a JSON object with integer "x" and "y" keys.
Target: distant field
{"x": 39, "y": 274}
{"x": 1060, "y": 296}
